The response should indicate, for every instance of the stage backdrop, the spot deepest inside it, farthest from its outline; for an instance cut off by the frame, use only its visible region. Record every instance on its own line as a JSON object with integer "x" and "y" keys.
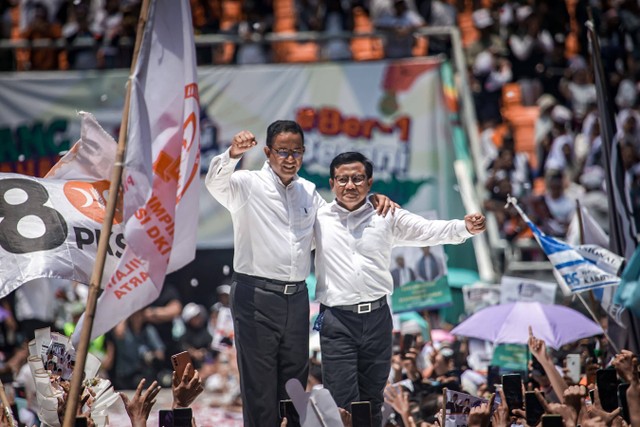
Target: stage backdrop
{"x": 393, "y": 112}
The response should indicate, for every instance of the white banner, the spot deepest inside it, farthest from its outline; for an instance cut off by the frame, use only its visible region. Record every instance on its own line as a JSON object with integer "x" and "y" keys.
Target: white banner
{"x": 479, "y": 296}
{"x": 515, "y": 289}
{"x": 160, "y": 179}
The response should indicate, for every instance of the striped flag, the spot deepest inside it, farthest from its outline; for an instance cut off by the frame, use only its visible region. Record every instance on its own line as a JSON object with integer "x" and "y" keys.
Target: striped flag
{"x": 576, "y": 269}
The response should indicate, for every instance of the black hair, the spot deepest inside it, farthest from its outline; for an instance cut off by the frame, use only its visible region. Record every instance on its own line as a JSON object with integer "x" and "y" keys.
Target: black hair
{"x": 283, "y": 126}
{"x": 351, "y": 157}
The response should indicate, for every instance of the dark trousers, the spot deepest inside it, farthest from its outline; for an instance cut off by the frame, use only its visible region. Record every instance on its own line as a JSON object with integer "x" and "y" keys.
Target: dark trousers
{"x": 272, "y": 342}
{"x": 356, "y": 356}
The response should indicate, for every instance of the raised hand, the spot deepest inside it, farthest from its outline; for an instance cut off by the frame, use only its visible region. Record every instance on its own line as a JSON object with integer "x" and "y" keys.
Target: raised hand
{"x": 186, "y": 389}
{"x": 139, "y": 407}
{"x": 242, "y": 142}
{"x": 475, "y": 223}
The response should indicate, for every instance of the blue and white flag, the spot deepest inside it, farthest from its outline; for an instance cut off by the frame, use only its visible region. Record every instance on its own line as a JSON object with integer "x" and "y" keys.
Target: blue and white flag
{"x": 574, "y": 271}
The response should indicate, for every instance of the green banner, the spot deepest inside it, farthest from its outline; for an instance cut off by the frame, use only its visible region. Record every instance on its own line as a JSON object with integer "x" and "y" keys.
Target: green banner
{"x": 510, "y": 357}
{"x": 422, "y": 295}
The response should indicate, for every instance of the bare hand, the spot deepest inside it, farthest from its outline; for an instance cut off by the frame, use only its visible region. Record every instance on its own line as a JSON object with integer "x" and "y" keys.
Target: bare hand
{"x": 398, "y": 400}
{"x": 623, "y": 363}
{"x": 475, "y": 223}
{"x": 537, "y": 347}
{"x": 184, "y": 390}
{"x": 242, "y": 142}
{"x": 479, "y": 416}
{"x": 139, "y": 407}
{"x": 568, "y": 413}
{"x": 383, "y": 204}
{"x": 345, "y": 416}
{"x": 574, "y": 395}
{"x": 500, "y": 417}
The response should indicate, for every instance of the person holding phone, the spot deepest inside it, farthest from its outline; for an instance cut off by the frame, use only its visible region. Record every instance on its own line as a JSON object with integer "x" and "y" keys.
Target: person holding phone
{"x": 353, "y": 254}
{"x": 273, "y": 212}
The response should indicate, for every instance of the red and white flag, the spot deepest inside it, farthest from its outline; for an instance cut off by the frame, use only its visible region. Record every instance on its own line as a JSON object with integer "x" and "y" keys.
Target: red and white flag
{"x": 160, "y": 179}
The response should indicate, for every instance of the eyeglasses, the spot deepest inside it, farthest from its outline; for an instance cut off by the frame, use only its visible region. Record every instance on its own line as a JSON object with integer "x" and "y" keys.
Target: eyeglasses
{"x": 284, "y": 154}
{"x": 344, "y": 180}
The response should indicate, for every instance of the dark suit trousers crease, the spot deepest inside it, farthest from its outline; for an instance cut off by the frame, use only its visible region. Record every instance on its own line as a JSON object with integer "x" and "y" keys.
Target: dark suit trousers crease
{"x": 272, "y": 342}
{"x": 356, "y": 356}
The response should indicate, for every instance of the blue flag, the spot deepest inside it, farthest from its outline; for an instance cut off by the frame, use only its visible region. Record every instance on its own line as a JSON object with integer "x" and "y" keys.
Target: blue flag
{"x": 574, "y": 271}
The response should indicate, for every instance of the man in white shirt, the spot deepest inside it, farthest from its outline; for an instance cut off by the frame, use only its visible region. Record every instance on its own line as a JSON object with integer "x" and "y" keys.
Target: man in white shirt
{"x": 353, "y": 252}
{"x": 273, "y": 212}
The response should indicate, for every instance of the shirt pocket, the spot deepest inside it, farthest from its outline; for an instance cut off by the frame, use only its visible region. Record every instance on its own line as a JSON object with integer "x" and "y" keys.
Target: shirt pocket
{"x": 303, "y": 220}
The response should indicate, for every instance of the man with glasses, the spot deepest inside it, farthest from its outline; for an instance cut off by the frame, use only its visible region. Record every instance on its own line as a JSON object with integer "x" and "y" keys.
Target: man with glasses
{"x": 273, "y": 212}
{"x": 353, "y": 254}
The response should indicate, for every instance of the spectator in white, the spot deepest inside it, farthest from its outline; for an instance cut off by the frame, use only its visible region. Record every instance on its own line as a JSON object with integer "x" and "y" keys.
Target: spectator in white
{"x": 577, "y": 87}
{"x": 428, "y": 266}
{"x": 488, "y": 40}
{"x": 488, "y": 78}
{"x": 595, "y": 198}
{"x": 399, "y": 26}
{"x": 558, "y": 206}
{"x": 221, "y": 320}
{"x": 527, "y": 47}
{"x": 628, "y": 121}
{"x": 402, "y": 274}
{"x": 561, "y": 155}
{"x": 353, "y": 252}
{"x": 543, "y": 126}
{"x": 592, "y": 140}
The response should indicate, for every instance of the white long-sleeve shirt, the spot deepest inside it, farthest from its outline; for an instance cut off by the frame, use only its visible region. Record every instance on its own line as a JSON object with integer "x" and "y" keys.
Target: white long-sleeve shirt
{"x": 272, "y": 223}
{"x": 353, "y": 249}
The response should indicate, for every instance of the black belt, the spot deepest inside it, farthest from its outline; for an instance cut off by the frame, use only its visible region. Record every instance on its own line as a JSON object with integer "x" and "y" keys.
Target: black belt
{"x": 287, "y": 288}
{"x": 363, "y": 307}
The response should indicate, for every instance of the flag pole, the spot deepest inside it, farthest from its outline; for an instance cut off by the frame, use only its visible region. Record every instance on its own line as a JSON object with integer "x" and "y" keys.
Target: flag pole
{"x": 103, "y": 243}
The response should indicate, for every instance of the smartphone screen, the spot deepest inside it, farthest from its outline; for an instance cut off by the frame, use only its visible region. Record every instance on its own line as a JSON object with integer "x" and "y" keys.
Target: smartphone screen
{"x": 607, "y": 383}
{"x": 493, "y": 377}
{"x": 288, "y": 411}
{"x": 165, "y": 418}
{"x": 533, "y": 408}
{"x": 179, "y": 362}
{"x": 408, "y": 341}
{"x": 512, "y": 388}
{"x": 182, "y": 417}
{"x": 396, "y": 343}
{"x": 552, "y": 421}
{"x": 80, "y": 422}
{"x": 361, "y": 414}
{"x": 592, "y": 396}
{"x": 573, "y": 367}
{"x": 622, "y": 401}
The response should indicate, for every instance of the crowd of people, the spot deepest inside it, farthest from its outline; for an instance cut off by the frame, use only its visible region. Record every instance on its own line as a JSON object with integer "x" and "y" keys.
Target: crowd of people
{"x": 522, "y": 42}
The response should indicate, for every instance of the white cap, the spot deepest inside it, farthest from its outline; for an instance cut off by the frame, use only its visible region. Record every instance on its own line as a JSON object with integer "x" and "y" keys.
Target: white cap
{"x": 482, "y": 18}
{"x": 224, "y": 289}
{"x": 483, "y": 63}
{"x": 546, "y": 101}
{"x": 523, "y": 12}
{"x": 561, "y": 114}
{"x": 190, "y": 311}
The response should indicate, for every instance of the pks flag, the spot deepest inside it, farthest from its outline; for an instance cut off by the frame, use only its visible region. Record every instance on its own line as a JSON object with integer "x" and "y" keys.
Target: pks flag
{"x": 49, "y": 227}
{"x": 162, "y": 166}
{"x": 575, "y": 270}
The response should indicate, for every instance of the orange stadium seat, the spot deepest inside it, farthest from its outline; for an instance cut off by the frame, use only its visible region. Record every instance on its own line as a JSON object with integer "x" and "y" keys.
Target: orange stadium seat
{"x": 365, "y": 48}
{"x": 284, "y": 22}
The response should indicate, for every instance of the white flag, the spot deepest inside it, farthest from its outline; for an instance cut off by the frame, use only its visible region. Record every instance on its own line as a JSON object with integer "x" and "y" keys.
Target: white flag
{"x": 161, "y": 171}
{"x": 50, "y": 227}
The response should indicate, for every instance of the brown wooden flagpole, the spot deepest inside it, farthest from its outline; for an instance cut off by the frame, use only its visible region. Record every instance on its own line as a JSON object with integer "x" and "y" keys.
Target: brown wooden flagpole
{"x": 103, "y": 243}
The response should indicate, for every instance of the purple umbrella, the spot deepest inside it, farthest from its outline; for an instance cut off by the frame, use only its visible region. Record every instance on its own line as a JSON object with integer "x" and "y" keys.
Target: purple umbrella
{"x": 509, "y": 323}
